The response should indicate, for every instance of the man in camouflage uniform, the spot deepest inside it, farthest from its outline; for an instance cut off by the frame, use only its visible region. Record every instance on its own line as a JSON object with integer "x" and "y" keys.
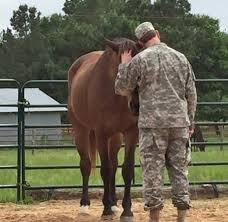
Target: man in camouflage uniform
{"x": 167, "y": 99}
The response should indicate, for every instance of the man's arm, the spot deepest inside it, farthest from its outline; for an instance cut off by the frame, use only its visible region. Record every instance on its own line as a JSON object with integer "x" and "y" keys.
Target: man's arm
{"x": 191, "y": 95}
{"x": 128, "y": 76}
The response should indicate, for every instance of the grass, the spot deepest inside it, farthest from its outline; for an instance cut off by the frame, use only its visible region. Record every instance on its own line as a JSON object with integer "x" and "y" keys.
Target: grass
{"x": 73, "y": 176}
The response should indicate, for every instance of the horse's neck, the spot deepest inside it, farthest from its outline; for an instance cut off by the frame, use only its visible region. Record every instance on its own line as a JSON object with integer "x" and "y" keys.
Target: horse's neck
{"x": 108, "y": 66}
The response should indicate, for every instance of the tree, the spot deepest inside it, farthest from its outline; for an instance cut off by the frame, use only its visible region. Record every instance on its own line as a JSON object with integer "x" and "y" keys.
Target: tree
{"x": 171, "y": 8}
{"x": 44, "y": 48}
{"x": 25, "y": 20}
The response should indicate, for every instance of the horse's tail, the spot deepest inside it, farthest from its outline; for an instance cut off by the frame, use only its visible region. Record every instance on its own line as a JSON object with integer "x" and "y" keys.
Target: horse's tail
{"x": 199, "y": 137}
{"x": 92, "y": 149}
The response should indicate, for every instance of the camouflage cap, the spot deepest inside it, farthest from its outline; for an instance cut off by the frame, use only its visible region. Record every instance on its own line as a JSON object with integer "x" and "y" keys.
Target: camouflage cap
{"x": 143, "y": 28}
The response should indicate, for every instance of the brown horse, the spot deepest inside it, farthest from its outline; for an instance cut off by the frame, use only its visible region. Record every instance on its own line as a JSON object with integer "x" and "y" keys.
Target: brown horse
{"x": 100, "y": 118}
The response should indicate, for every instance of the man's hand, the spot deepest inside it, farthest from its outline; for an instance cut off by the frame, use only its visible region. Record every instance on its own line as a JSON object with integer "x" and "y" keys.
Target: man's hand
{"x": 126, "y": 57}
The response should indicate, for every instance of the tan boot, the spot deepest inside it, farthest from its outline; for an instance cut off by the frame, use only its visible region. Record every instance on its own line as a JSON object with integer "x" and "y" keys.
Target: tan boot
{"x": 154, "y": 215}
{"x": 181, "y": 215}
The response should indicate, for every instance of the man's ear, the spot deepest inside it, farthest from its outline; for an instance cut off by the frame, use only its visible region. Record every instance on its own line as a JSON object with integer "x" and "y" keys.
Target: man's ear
{"x": 113, "y": 45}
{"x": 157, "y": 33}
{"x": 139, "y": 46}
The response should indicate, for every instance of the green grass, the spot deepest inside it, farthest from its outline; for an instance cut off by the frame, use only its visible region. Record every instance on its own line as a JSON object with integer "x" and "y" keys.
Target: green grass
{"x": 73, "y": 176}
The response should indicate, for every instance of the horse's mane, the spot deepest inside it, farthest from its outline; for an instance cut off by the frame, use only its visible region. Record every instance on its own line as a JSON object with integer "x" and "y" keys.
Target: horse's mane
{"x": 121, "y": 40}
{"x": 124, "y": 44}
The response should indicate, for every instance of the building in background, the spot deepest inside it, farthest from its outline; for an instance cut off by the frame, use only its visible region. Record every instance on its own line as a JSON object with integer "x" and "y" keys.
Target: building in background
{"x": 33, "y": 116}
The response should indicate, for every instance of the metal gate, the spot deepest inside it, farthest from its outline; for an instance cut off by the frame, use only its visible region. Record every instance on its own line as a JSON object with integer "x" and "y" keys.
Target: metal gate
{"x": 22, "y": 167}
{"x": 11, "y": 83}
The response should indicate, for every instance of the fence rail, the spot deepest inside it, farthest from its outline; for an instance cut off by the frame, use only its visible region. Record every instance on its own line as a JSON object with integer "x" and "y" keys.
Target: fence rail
{"x": 21, "y": 167}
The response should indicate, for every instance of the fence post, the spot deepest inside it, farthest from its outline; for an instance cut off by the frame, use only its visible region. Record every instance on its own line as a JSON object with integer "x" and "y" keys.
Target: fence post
{"x": 19, "y": 184}
{"x": 22, "y": 118}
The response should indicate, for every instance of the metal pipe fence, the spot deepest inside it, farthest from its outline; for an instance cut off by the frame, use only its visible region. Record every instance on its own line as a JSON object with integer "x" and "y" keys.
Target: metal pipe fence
{"x": 15, "y": 84}
{"x": 22, "y": 167}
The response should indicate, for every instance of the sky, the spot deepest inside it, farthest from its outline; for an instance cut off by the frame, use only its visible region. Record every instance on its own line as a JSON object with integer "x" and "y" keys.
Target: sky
{"x": 216, "y": 9}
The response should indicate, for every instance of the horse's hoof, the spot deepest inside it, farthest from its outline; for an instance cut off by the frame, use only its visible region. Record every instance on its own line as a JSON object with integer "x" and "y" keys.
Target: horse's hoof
{"x": 107, "y": 217}
{"x": 115, "y": 209}
{"x": 126, "y": 219}
{"x": 84, "y": 210}
{"x": 127, "y": 213}
{"x": 126, "y": 216}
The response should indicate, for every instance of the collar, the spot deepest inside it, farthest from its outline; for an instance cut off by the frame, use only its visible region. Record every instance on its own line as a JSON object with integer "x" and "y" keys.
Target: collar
{"x": 155, "y": 44}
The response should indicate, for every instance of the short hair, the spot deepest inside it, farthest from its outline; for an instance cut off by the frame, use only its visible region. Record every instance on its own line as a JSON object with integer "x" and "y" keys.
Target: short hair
{"x": 149, "y": 35}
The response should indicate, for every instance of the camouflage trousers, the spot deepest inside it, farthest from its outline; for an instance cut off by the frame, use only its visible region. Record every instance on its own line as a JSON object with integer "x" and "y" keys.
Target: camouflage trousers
{"x": 160, "y": 147}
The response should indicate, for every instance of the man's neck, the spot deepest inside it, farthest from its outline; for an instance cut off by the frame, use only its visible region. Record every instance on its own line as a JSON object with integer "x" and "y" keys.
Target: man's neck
{"x": 153, "y": 41}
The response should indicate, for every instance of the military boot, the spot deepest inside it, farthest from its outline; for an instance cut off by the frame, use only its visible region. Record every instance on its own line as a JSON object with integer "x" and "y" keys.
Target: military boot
{"x": 154, "y": 215}
{"x": 181, "y": 215}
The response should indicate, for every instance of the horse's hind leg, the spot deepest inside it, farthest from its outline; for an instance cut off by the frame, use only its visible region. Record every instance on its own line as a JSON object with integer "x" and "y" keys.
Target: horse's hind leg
{"x": 131, "y": 138}
{"x": 114, "y": 146}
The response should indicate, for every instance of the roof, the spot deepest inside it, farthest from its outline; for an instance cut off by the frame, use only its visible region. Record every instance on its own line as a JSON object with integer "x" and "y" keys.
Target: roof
{"x": 33, "y": 95}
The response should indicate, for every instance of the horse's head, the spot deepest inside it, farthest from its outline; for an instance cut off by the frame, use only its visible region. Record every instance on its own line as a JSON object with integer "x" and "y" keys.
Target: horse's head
{"x": 117, "y": 47}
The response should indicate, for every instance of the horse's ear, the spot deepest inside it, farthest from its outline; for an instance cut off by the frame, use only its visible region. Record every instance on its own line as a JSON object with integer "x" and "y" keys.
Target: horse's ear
{"x": 113, "y": 45}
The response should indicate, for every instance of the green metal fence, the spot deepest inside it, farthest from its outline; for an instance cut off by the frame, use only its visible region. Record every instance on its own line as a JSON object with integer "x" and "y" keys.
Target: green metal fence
{"x": 11, "y": 83}
{"x": 22, "y": 167}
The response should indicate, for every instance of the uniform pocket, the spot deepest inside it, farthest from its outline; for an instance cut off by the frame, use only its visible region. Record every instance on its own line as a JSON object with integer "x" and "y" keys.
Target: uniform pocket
{"x": 145, "y": 138}
{"x": 145, "y": 145}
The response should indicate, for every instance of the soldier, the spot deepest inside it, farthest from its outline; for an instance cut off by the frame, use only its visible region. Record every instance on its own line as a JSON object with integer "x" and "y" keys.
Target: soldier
{"x": 167, "y": 100}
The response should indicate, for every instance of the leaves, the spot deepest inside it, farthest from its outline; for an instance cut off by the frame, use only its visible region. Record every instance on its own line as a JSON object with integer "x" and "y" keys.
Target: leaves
{"x": 25, "y": 20}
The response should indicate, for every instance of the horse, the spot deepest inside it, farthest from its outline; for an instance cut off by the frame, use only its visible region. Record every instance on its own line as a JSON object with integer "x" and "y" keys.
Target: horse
{"x": 101, "y": 120}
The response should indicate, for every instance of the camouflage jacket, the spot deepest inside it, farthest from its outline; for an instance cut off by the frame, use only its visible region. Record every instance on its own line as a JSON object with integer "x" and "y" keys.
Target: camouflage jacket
{"x": 165, "y": 79}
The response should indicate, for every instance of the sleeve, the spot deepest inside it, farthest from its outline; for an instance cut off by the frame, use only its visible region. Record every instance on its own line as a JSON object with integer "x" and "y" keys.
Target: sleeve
{"x": 191, "y": 94}
{"x": 127, "y": 77}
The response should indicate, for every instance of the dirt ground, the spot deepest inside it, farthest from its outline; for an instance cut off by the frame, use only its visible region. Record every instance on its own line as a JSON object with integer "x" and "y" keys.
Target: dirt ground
{"x": 213, "y": 210}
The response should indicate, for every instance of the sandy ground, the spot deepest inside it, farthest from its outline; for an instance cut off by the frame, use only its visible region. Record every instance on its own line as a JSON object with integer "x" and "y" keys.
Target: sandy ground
{"x": 213, "y": 210}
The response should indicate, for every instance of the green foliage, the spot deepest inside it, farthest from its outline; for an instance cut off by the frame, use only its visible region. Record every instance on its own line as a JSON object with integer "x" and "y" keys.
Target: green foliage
{"x": 45, "y": 47}
{"x": 171, "y": 8}
{"x": 25, "y": 20}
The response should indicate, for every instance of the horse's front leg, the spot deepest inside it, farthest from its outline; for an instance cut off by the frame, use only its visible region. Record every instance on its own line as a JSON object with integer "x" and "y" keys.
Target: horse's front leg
{"x": 102, "y": 145}
{"x": 81, "y": 136}
{"x": 82, "y": 143}
{"x": 131, "y": 138}
{"x": 114, "y": 145}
